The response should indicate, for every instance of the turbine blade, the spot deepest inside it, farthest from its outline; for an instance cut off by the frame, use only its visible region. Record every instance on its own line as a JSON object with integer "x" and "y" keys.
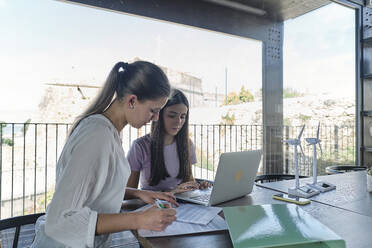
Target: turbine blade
{"x": 302, "y": 151}
{"x": 321, "y": 151}
{"x": 302, "y": 130}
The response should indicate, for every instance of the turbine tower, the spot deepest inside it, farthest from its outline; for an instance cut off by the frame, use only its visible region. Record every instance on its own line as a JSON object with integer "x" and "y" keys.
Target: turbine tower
{"x": 321, "y": 186}
{"x": 303, "y": 191}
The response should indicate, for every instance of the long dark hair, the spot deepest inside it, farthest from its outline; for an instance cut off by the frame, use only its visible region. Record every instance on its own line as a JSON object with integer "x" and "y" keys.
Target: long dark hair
{"x": 143, "y": 79}
{"x": 158, "y": 170}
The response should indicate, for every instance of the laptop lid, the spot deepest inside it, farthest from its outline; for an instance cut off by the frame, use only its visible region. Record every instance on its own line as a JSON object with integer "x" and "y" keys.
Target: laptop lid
{"x": 235, "y": 177}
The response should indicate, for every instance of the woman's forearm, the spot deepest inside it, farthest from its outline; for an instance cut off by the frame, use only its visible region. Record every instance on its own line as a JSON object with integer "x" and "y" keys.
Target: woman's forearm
{"x": 154, "y": 218}
{"x": 111, "y": 223}
{"x": 131, "y": 193}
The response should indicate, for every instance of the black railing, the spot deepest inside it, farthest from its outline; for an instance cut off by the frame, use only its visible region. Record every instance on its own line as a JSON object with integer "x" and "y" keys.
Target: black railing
{"x": 338, "y": 148}
{"x": 29, "y": 154}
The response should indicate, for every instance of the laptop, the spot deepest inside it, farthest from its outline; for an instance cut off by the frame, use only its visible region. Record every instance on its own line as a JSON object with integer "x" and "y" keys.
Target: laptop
{"x": 235, "y": 177}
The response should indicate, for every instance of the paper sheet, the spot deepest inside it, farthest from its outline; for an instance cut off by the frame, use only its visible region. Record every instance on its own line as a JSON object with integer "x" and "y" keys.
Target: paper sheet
{"x": 196, "y": 214}
{"x": 178, "y": 228}
{"x": 192, "y": 213}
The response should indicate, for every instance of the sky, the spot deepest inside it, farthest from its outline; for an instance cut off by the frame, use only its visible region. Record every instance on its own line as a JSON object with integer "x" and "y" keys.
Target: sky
{"x": 320, "y": 51}
{"x": 47, "y": 41}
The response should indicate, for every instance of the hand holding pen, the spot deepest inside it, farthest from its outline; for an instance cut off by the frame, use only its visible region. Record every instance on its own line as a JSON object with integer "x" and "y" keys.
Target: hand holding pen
{"x": 162, "y": 204}
{"x": 158, "y": 217}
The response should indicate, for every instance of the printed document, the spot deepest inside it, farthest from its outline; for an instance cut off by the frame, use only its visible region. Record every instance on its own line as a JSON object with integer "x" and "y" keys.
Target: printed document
{"x": 192, "y": 213}
{"x": 178, "y": 228}
{"x": 196, "y": 214}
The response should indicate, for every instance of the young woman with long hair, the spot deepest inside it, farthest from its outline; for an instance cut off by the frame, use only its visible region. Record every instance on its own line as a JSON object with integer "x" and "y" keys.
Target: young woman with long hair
{"x": 162, "y": 160}
{"x": 92, "y": 170}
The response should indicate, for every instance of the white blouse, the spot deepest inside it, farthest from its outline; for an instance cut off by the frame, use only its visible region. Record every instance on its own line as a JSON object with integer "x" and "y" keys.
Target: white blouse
{"x": 92, "y": 173}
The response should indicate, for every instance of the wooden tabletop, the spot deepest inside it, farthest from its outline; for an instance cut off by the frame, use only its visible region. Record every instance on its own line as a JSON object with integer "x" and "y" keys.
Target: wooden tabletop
{"x": 354, "y": 228}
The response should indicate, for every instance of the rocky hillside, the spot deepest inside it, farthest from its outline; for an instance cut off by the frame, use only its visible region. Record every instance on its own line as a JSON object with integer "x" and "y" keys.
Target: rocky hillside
{"x": 63, "y": 104}
{"x": 297, "y": 111}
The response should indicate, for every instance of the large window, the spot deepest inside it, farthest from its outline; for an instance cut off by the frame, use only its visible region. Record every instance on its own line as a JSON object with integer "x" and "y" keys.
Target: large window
{"x": 319, "y": 83}
{"x": 56, "y": 55}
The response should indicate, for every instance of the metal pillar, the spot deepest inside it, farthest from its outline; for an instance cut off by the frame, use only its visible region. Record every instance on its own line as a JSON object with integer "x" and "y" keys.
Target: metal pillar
{"x": 272, "y": 91}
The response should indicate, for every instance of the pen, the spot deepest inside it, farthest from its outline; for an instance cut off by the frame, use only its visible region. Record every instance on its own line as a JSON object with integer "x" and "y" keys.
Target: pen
{"x": 159, "y": 204}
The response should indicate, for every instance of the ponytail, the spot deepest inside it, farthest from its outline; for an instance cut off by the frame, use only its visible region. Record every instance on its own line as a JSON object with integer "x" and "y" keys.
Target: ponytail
{"x": 141, "y": 78}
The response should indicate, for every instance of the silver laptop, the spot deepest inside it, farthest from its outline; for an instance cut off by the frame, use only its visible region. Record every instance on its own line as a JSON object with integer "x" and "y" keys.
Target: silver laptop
{"x": 235, "y": 177}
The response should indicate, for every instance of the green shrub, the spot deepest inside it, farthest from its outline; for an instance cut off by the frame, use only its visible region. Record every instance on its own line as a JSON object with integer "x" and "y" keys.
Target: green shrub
{"x": 243, "y": 97}
{"x": 291, "y": 93}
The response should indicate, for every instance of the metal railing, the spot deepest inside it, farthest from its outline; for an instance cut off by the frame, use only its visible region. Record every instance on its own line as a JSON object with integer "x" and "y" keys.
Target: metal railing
{"x": 29, "y": 154}
{"x": 338, "y": 148}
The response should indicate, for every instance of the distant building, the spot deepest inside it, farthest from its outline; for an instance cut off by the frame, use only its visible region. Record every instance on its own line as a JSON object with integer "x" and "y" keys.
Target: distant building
{"x": 190, "y": 85}
{"x": 62, "y": 102}
{"x": 213, "y": 99}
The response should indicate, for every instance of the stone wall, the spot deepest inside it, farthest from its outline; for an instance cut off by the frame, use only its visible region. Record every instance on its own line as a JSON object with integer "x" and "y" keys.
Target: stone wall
{"x": 63, "y": 102}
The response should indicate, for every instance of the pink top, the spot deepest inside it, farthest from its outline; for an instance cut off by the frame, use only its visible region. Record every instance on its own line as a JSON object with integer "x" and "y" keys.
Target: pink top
{"x": 139, "y": 157}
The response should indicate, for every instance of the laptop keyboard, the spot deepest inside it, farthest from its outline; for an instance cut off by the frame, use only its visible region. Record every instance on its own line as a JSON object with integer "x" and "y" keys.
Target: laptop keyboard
{"x": 203, "y": 198}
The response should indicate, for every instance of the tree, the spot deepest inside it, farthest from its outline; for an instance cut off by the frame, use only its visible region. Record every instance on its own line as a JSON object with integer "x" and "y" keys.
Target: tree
{"x": 232, "y": 98}
{"x": 5, "y": 141}
{"x": 243, "y": 97}
{"x": 25, "y": 128}
{"x": 227, "y": 119}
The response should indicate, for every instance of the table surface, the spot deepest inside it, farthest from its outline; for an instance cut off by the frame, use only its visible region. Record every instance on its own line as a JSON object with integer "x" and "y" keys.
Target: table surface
{"x": 350, "y": 193}
{"x": 353, "y": 227}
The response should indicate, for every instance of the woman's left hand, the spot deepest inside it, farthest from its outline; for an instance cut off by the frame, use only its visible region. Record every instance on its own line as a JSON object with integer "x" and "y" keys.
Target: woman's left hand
{"x": 150, "y": 196}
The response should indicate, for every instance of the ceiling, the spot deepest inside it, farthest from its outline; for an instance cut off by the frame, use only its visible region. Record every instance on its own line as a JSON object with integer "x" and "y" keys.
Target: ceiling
{"x": 278, "y": 10}
{"x": 274, "y": 10}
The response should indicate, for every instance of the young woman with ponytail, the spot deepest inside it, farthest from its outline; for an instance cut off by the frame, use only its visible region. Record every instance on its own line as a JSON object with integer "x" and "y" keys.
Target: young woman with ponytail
{"x": 92, "y": 171}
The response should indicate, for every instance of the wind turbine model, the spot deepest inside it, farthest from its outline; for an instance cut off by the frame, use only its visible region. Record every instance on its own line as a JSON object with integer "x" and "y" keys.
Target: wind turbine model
{"x": 304, "y": 191}
{"x": 321, "y": 186}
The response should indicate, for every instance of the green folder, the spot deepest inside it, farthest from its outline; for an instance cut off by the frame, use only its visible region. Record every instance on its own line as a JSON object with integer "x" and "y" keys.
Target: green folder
{"x": 278, "y": 225}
